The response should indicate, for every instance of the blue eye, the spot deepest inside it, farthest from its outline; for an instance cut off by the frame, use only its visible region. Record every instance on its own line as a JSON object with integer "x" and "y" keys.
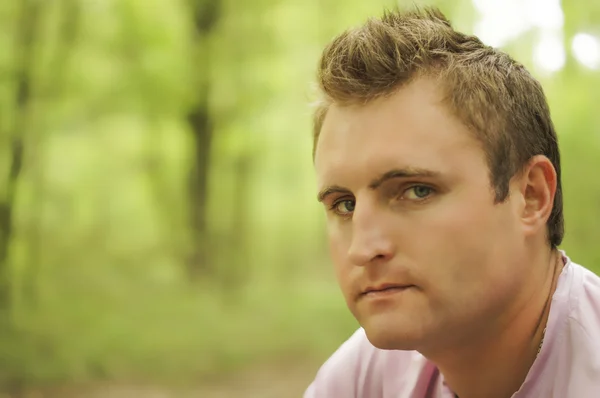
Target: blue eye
{"x": 418, "y": 192}
{"x": 344, "y": 207}
{"x": 422, "y": 191}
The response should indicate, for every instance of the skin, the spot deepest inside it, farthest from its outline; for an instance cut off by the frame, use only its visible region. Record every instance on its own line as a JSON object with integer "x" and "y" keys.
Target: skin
{"x": 409, "y": 204}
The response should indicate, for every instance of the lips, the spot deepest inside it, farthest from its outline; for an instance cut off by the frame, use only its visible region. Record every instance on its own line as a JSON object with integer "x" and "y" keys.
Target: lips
{"x": 385, "y": 288}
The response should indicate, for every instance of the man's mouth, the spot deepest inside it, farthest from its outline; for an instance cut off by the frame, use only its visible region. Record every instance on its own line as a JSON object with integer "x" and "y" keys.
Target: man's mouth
{"x": 384, "y": 290}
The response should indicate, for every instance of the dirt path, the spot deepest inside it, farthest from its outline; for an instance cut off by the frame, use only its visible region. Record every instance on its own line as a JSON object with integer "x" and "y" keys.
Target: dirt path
{"x": 274, "y": 381}
{"x": 281, "y": 382}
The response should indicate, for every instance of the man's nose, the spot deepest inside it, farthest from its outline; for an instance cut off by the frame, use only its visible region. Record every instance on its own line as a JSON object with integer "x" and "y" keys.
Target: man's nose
{"x": 371, "y": 240}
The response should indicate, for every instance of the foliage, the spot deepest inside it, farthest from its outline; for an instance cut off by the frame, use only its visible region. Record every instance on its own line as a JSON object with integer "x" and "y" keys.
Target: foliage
{"x": 97, "y": 271}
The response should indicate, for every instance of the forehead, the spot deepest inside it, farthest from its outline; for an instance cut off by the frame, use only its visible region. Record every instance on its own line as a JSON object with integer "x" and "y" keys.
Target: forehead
{"x": 411, "y": 128}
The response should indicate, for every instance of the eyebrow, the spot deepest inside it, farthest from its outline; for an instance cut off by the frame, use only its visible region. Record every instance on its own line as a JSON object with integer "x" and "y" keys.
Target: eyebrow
{"x": 409, "y": 172}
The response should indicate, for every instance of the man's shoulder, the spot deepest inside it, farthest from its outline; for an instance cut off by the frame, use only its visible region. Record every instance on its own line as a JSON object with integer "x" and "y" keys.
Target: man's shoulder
{"x": 586, "y": 301}
{"x": 576, "y": 359}
{"x": 359, "y": 369}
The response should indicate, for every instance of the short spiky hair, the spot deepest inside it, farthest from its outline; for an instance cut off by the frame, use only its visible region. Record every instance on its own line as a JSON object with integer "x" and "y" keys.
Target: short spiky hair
{"x": 493, "y": 95}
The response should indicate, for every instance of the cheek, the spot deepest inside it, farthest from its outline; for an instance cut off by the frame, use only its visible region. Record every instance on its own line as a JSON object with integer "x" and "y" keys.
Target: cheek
{"x": 459, "y": 240}
{"x": 459, "y": 252}
{"x": 472, "y": 219}
{"x": 338, "y": 249}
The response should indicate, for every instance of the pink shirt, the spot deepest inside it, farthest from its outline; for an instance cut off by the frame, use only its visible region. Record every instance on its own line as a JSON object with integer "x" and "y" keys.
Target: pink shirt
{"x": 568, "y": 365}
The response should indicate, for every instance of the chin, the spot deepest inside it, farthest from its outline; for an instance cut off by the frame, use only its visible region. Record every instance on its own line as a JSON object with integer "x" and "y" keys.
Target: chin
{"x": 388, "y": 335}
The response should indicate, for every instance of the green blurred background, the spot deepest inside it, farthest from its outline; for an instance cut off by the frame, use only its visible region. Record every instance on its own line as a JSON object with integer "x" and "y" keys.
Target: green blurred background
{"x": 159, "y": 233}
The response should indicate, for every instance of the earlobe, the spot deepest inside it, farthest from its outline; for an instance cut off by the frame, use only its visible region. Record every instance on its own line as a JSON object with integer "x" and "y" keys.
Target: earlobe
{"x": 539, "y": 189}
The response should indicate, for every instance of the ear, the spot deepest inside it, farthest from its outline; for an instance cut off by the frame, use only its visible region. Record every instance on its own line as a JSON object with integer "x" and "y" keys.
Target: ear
{"x": 538, "y": 188}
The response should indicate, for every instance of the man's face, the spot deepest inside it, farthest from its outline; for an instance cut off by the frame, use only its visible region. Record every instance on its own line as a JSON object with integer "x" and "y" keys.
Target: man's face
{"x": 423, "y": 255}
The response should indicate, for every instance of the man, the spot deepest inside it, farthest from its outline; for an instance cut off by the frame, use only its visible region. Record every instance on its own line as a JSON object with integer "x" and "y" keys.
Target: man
{"x": 438, "y": 165}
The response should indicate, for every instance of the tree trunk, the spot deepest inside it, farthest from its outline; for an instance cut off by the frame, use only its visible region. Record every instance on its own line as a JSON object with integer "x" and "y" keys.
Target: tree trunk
{"x": 205, "y": 18}
{"x": 198, "y": 185}
{"x": 24, "y": 64}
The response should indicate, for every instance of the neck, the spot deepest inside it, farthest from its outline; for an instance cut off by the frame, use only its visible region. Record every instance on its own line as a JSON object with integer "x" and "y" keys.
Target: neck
{"x": 497, "y": 363}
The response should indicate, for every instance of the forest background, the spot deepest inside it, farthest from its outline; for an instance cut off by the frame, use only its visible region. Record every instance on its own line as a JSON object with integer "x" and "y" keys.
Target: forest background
{"x": 159, "y": 232}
